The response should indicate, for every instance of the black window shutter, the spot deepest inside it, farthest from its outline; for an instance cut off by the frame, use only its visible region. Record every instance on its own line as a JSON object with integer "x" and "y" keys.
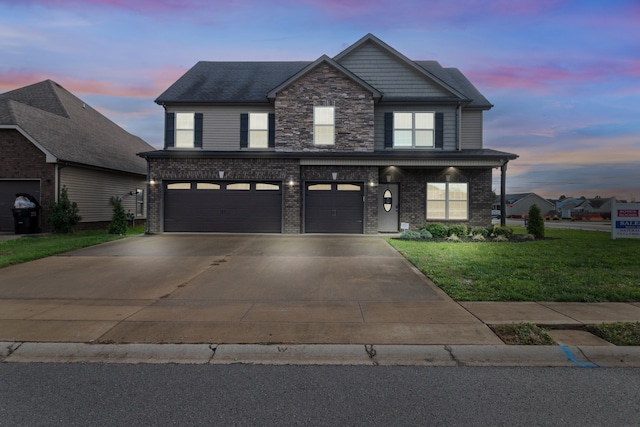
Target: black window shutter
{"x": 197, "y": 134}
{"x": 244, "y": 130}
{"x": 439, "y": 130}
{"x": 272, "y": 130}
{"x": 388, "y": 130}
{"x": 169, "y": 130}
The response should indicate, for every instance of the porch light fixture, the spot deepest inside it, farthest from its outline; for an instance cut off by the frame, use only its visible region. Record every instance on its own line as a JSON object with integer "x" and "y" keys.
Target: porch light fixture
{"x": 388, "y": 178}
{"x": 334, "y": 175}
{"x": 447, "y": 177}
{"x": 221, "y": 174}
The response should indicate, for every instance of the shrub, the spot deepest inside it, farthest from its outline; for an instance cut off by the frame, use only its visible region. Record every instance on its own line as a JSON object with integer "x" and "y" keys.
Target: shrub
{"x": 482, "y": 231}
{"x": 119, "y": 219}
{"x": 63, "y": 214}
{"x": 426, "y": 234}
{"x": 453, "y": 238}
{"x": 535, "y": 225}
{"x": 459, "y": 230}
{"x": 410, "y": 235}
{"x": 497, "y": 231}
{"x": 478, "y": 237}
{"x": 437, "y": 230}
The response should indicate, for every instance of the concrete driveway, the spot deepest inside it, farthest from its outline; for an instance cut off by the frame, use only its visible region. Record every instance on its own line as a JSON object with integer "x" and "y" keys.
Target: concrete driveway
{"x": 232, "y": 289}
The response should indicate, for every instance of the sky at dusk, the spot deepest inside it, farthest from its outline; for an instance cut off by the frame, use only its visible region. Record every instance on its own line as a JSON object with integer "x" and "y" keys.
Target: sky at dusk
{"x": 563, "y": 75}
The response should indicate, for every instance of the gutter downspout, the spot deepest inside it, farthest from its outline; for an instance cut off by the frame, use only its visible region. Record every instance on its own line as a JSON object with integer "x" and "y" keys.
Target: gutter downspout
{"x": 503, "y": 195}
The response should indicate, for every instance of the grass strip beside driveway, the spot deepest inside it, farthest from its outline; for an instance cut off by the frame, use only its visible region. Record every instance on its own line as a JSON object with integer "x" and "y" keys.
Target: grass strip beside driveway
{"x": 569, "y": 265}
{"x": 25, "y": 249}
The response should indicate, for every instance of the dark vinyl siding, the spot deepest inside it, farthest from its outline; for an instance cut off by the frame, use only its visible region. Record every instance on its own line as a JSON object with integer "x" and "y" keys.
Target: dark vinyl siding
{"x": 471, "y": 130}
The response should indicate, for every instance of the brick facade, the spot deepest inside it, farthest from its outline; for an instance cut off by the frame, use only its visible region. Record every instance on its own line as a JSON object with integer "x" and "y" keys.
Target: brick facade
{"x": 413, "y": 194}
{"x": 324, "y": 85}
{"x": 20, "y": 159}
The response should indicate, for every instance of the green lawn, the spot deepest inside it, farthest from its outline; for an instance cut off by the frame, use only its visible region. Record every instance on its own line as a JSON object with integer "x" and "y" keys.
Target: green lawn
{"x": 584, "y": 266}
{"x": 39, "y": 246}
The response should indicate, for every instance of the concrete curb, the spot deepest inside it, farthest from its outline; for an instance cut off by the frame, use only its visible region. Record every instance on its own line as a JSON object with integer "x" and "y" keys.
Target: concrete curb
{"x": 387, "y": 355}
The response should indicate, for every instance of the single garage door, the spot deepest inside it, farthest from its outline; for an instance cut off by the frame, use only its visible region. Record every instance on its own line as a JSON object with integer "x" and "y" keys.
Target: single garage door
{"x": 231, "y": 207}
{"x": 8, "y": 191}
{"x": 334, "y": 207}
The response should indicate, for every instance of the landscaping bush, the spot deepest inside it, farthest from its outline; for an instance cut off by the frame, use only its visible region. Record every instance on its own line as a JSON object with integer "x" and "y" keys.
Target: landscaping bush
{"x": 410, "y": 235}
{"x": 63, "y": 214}
{"x": 426, "y": 234}
{"x": 459, "y": 230}
{"x": 483, "y": 231}
{"x": 118, "y": 223}
{"x": 437, "y": 230}
{"x": 535, "y": 225}
{"x": 496, "y": 231}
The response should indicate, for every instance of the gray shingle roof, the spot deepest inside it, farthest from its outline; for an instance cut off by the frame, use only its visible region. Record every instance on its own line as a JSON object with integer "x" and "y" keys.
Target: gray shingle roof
{"x": 229, "y": 82}
{"x": 71, "y": 130}
{"x": 249, "y": 82}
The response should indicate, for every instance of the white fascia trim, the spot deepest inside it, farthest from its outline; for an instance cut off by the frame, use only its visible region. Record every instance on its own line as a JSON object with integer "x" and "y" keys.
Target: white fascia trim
{"x": 50, "y": 158}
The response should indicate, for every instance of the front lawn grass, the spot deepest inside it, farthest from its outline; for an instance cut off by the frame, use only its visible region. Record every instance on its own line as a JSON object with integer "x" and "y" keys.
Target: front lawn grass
{"x": 569, "y": 265}
{"x": 39, "y": 246}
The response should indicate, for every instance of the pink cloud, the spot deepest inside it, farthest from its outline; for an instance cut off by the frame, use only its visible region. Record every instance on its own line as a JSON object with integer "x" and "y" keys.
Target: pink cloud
{"x": 158, "y": 81}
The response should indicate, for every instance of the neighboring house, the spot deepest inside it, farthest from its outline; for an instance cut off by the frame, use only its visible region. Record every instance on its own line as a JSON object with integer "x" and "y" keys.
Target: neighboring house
{"x": 569, "y": 207}
{"x": 518, "y": 205}
{"x": 602, "y": 206}
{"x": 50, "y": 139}
{"x": 358, "y": 143}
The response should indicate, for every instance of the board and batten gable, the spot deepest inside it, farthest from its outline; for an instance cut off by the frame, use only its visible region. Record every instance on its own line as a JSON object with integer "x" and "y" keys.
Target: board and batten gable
{"x": 92, "y": 190}
{"x": 471, "y": 130}
{"x": 389, "y": 75}
{"x": 221, "y": 123}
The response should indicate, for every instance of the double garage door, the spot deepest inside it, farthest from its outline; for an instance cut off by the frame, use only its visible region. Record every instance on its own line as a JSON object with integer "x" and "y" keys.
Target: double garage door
{"x": 256, "y": 207}
{"x": 233, "y": 207}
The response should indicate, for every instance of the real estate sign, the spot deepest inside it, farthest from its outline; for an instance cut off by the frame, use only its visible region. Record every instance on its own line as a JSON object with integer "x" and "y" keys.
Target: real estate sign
{"x": 625, "y": 220}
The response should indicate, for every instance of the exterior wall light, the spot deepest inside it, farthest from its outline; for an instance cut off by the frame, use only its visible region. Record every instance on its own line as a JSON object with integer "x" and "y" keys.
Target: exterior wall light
{"x": 334, "y": 175}
{"x": 221, "y": 174}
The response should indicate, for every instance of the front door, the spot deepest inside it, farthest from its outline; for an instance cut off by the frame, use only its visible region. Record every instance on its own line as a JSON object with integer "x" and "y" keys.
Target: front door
{"x": 388, "y": 208}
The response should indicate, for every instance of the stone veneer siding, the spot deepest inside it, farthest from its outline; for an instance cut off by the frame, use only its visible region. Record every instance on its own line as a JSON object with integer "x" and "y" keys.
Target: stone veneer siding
{"x": 20, "y": 159}
{"x": 234, "y": 169}
{"x": 322, "y": 86}
{"x": 413, "y": 195}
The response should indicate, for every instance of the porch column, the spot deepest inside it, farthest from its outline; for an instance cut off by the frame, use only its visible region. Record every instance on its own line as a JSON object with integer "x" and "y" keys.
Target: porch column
{"x": 503, "y": 196}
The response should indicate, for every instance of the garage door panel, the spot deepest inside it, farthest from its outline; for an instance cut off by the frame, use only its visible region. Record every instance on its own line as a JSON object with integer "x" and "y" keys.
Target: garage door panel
{"x": 224, "y": 210}
{"x": 334, "y": 208}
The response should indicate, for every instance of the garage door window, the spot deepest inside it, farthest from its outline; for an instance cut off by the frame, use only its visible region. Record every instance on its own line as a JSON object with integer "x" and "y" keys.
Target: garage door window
{"x": 240, "y": 186}
{"x": 207, "y": 186}
{"x": 447, "y": 200}
{"x": 261, "y": 186}
{"x": 179, "y": 186}
{"x": 348, "y": 187}
{"x": 319, "y": 187}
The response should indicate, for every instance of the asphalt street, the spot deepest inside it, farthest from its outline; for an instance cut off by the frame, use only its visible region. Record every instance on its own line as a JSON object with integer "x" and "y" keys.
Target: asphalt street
{"x": 168, "y": 395}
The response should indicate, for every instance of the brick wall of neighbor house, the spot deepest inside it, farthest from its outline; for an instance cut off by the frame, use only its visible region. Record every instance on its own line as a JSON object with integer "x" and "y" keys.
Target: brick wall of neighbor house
{"x": 413, "y": 195}
{"x": 366, "y": 175}
{"x": 20, "y": 159}
{"x": 234, "y": 169}
{"x": 324, "y": 85}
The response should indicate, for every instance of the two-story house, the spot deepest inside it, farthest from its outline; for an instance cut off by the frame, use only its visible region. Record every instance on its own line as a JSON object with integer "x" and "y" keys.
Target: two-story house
{"x": 358, "y": 143}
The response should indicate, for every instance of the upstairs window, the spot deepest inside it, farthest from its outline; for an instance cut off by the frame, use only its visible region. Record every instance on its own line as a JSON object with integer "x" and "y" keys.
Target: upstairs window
{"x": 413, "y": 129}
{"x": 258, "y": 130}
{"x": 447, "y": 200}
{"x": 324, "y": 128}
{"x": 183, "y": 130}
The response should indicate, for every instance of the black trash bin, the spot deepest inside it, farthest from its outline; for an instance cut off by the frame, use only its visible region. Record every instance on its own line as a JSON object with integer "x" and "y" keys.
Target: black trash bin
{"x": 26, "y": 220}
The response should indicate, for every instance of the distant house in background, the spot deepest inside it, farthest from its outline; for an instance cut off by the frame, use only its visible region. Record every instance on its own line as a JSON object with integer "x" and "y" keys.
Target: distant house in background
{"x": 518, "y": 205}
{"x": 49, "y": 139}
{"x": 570, "y": 207}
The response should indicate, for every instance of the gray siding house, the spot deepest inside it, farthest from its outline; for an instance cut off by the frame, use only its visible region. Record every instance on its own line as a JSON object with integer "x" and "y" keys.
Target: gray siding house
{"x": 365, "y": 142}
{"x": 50, "y": 139}
{"x": 518, "y": 205}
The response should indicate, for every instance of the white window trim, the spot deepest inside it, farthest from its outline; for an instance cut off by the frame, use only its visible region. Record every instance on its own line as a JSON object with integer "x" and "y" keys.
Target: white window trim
{"x": 447, "y": 200}
{"x": 192, "y": 129}
{"x": 413, "y": 131}
{"x": 332, "y": 126}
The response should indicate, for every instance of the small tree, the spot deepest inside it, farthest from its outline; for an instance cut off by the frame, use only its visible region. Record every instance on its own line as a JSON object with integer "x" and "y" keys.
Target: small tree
{"x": 63, "y": 215}
{"x": 535, "y": 226}
{"x": 119, "y": 219}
